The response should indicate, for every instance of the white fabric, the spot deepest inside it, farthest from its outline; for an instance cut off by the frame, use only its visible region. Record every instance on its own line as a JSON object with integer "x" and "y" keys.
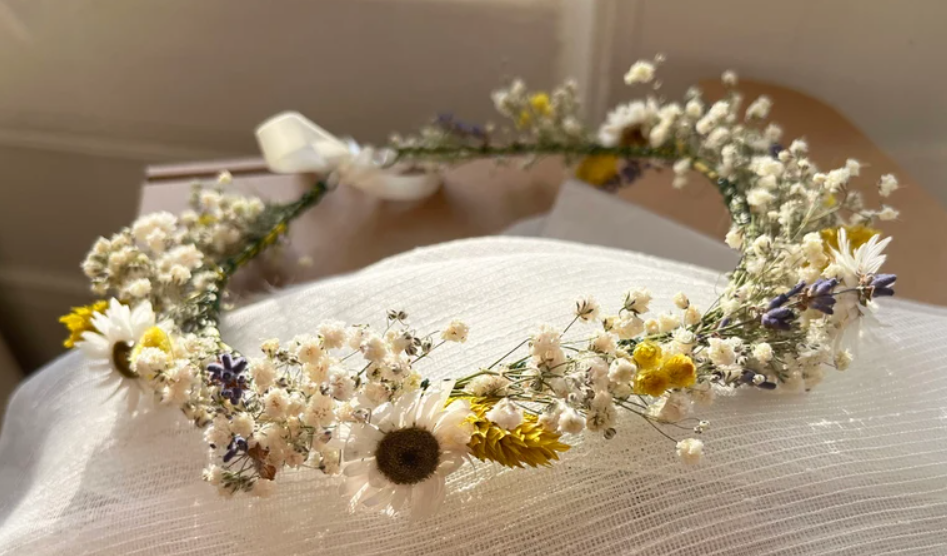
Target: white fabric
{"x": 855, "y": 467}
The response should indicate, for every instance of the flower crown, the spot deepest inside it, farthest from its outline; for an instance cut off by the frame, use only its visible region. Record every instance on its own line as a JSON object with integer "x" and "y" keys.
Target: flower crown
{"x": 350, "y": 399}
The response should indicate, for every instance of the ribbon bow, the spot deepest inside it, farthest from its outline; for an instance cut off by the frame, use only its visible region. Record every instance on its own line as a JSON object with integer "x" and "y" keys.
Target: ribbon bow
{"x": 291, "y": 144}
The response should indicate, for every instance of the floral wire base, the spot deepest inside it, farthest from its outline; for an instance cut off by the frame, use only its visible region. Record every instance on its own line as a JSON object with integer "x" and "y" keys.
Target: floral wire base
{"x": 350, "y": 400}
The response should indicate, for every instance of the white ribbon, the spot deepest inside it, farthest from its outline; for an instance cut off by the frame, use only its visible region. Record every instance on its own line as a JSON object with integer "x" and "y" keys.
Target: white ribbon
{"x": 291, "y": 144}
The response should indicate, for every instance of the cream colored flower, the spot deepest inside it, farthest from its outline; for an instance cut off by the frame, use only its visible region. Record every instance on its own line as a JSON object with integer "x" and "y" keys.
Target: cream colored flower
{"x": 690, "y": 450}
{"x": 641, "y": 71}
{"x": 456, "y": 331}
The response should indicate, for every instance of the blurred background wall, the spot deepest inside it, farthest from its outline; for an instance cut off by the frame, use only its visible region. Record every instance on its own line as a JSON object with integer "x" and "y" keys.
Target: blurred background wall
{"x": 91, "y": 91}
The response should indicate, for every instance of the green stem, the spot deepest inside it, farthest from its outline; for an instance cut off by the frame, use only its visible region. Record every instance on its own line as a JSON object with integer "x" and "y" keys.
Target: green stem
{"x": 509, "y": 353}
{"x": 471, "y": 152}
{"x": 732, "y": 196}
{"x": 284, "y": 215}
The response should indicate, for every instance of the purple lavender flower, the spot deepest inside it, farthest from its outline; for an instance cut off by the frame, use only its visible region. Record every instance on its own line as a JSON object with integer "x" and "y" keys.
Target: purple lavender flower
{"x": 632, "y": 170}
{"x": 449, "y": 123}
{"x": 237, "y": 445}
{"x": 820, "y": 297}
{"x": 881, "y": 285}
{"x": 778, "y": 318}
{"x": 783, "y": 298}
{"x": 230, "y": 374}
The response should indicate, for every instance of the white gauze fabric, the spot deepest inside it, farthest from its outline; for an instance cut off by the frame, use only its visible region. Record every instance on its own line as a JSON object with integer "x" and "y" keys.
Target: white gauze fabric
{"x": 857, "y": 466}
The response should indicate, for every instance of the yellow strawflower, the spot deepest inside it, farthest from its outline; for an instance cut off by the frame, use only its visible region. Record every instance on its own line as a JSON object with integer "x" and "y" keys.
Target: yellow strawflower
{"x": 598, "y": 169}
{"x": 154, "y": 337}
{"x": 80, "y": 320}
{"x": 539, "y": 104}
{"x": 207, "y": 219}
{"x": 651, "y": 382}
{"x": 647, "y": 355}
{"x": 528, "y": 444}
{"x": 680, "y": 371}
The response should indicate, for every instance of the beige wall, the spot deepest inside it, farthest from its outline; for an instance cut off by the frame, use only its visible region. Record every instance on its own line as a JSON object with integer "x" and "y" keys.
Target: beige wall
{"x": 53, "y": 204}
{"x": 95, "y": 90}
{"x": 92, "y": 90}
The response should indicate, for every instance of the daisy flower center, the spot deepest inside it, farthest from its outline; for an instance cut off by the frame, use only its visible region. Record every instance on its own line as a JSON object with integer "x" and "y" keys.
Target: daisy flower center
{"x": 121, "y": 359}
{"x": 408, "y": 456}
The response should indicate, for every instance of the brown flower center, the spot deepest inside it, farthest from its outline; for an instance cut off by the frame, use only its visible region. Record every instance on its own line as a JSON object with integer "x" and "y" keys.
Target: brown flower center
{"x": 408, "y": 456}
{"x": 121, "y": 359}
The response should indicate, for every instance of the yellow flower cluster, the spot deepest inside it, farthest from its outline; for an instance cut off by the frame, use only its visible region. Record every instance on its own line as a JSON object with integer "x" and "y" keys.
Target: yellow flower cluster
{"x": 539, "y": 105}
{"x": 657, "y": 373}
{"x": 598, "y": 169}
{"x": 528, "y": 444}
{"x": 80, "y": 320}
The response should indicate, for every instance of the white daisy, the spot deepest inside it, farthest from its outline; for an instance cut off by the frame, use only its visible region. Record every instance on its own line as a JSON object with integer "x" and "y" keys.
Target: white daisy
{"x": 402, "y": 457}
{"x": 626, "y": 122}
{"x": 866, "y": 260}
{"x": 110, "y": 347}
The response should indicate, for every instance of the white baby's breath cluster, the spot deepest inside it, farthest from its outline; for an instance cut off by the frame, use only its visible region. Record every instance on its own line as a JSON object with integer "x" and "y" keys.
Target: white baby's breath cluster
{"x": 165, "y": 258}
{"x": 348, "y": 399}
{"x": 296, "y": 398}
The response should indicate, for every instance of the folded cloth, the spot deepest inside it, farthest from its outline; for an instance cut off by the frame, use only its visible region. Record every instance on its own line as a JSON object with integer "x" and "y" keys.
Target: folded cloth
{"x": 584, "y": 214}
{"x": 857, "y": 466}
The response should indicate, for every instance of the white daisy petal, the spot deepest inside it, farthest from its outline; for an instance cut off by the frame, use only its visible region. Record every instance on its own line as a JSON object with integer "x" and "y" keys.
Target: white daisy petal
{"x": 456, "y": 413}
{"x": 142, "y": 318}
{"x": 94, "y": 346}
{"x": 380, "y": 498}
{"x": 450, "y": 463}
{"x": 357, "y": 468}
{"x": 366, "y": 491}
{"x": 433, "y": 404}
{"x": 103, "y": 324}
{"x": 361, "y": 442}
{"x": 352, "y": 485}
{"x": 121, "y": 319}
{"x": 376, "y": 478}
{"x": 427, "y": 497}
{"x": 399, "y": 413}
{"x": 401, "y": 495}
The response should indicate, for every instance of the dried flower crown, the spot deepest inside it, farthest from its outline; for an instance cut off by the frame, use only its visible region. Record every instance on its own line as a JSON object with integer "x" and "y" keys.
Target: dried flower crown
{"x": 350, "y": 400}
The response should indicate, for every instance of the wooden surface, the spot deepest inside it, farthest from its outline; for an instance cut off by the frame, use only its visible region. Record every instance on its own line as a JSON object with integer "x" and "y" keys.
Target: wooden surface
{"x": 350, "y": 230}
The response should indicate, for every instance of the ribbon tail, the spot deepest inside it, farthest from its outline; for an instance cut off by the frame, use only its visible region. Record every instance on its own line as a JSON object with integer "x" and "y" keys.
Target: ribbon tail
{"x": 392, "y": 186}
{"x": 292, "y": 144}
